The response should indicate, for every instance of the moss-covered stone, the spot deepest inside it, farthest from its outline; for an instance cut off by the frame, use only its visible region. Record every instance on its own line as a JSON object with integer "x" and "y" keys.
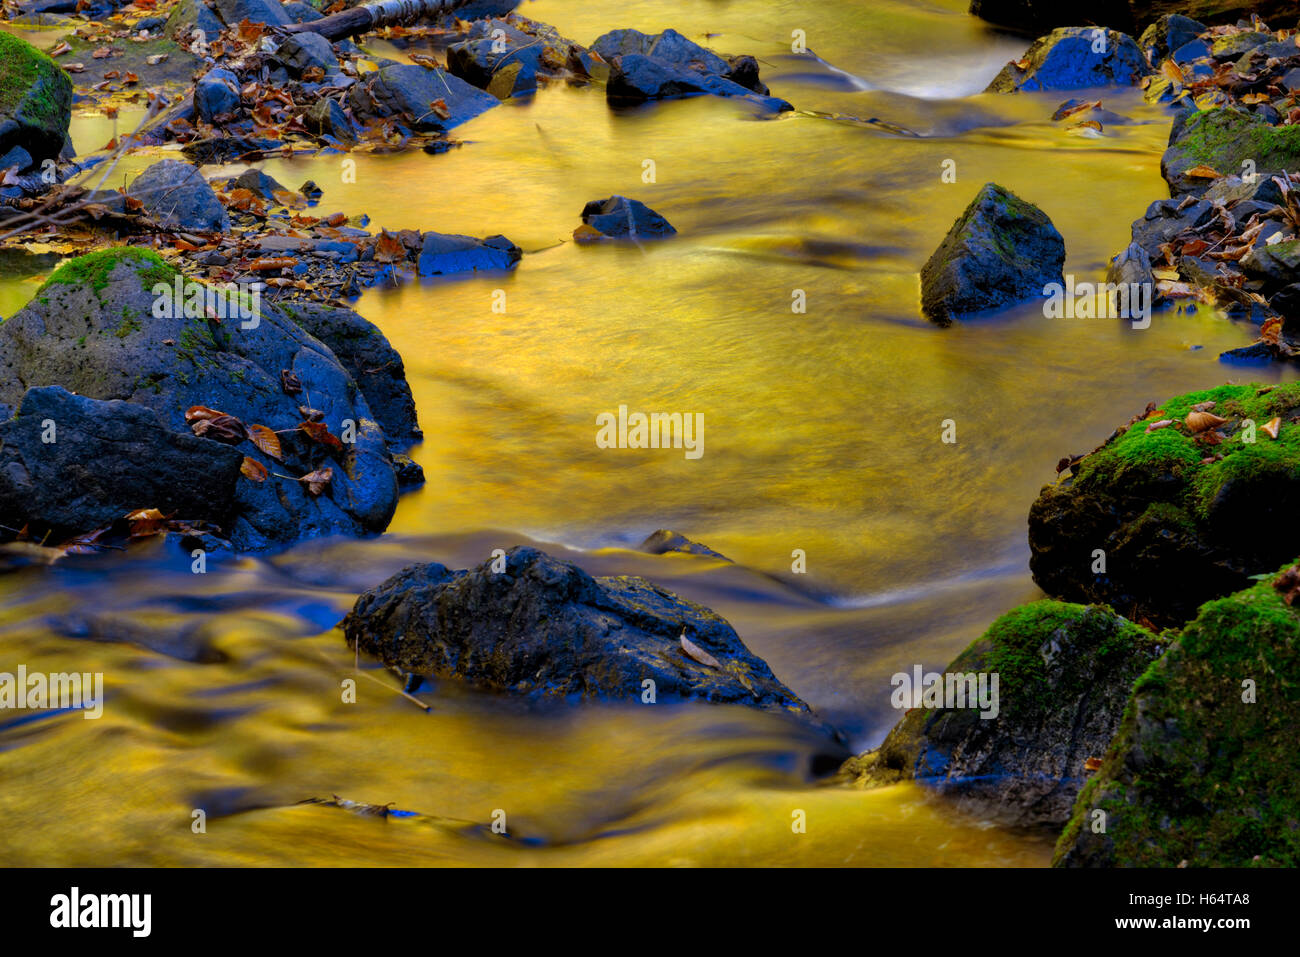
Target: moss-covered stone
{"x": 1223, "y": 138}
{"x": 97, "y": 268}
{"x": 35, "y": 100}
{"x": 1064, "y": 672}
{"x": 1205, "y": 767}
{"x": 1180, "y": 520}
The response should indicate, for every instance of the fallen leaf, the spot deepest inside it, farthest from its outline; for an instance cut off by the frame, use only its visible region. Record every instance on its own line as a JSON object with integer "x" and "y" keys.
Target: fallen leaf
{"x": 1092, "y": 764}
{"x": 1272, "y": 427}
{"x": 389, "y": 248}
{"x": 319, "y": 433}
{"x": 266, "y": 440}
{"x": 290, "y": 382}
{"x": 698, "y": 653}
{"x": 253, "y": 469}
{"x": 1203, "y": 172}
{"x": 317, "y": 481}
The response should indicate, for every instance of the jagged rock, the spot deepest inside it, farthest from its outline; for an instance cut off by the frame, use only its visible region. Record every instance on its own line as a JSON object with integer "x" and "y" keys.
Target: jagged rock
{"x": 35, "y": 100}
{"x": 177, "y": 195}
{"x": 1164, "y": 220}
{"x": 327, "y": 118}
{"x": 1064, "y": 673}
{"x": 665, "y": 540}
{"x": 1000, "y": 251}
{"x": 545, "y": 627}
{"x": 1167, "y": 34}
{"x": 301, "y": 51}
{"x": 1066, "y": 59}
{"x": 259, "y": 183}
{"x": 625, "y": 218}
{"x": 1224, "y": 138}
{"x": 1132, "y": 266}
{"x": 410, "y": 91}
{"x": 216, "y": 96}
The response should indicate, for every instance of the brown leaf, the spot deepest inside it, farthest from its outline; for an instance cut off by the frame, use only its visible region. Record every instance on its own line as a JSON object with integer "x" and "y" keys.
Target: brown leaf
{"x": 103, "y": 53}
{"x": 1272, "y": 427}
{"x": 698, "y": 653}
{"x": 1092, "y": 764}
{"x": 317, "y": 481}
{"x": 211, "y": 424}
{"x": 319, "y": 433}
{"x": 272, "y": 264}
{"x": 290, "y": 382}
{"x": 389, "y": 248}
{"x": 266, "y": 440}
{"x": 1173, "y": 71}
{"x": 253, "y": 469}
{"x": 1202, "y": 172}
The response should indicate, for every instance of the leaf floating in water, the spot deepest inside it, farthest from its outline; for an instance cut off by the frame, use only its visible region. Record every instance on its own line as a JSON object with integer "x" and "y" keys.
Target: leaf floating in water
{"x": 698, "y": 653}
{"x": 266, "y": 440}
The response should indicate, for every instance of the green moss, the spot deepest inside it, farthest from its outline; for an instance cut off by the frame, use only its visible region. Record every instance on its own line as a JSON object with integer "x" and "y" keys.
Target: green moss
{"x": 95, "y": 269}
{"x": 25, "y": 67}
{"x": 1196, "y": 773}
{"x": 1224, "y": 137}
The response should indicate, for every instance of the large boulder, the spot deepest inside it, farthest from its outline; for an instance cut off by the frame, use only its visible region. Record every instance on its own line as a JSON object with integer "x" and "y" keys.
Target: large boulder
{"x": 428, "y": 99}
{"x": 71, "y": 464}
{"x": 1074, "y": 58}
{"x": 1164, "y": 517}
{"x": 1224, "y": 138}
{"x": 1204, "y": 769}
{"x": 528, "y": 623}
{"x": 1064, "y": 673}
{"x": 35, "y": 101}
{"x": 110, "y": 326}
{"x": 1000, "y": 251}
{"x": 176, "y": 194}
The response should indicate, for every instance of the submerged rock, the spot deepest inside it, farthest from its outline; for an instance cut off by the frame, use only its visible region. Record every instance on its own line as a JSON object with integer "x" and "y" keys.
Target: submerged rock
{"x": 624, "y": 218}
{"x": 665, "y": 540}
{"x": 110, "y": 326}
{"x": 176, "y": 194}
{"x": 443, "y": 254}
{"x": 1074, "y": 58}
{"x": 542, "y": 626}
{"x": 1064, "y": 673}
{"x": 1224, "y": 139}
{"x": 1181, "y": 516}
{"x": 1000, "y": 251}
{"x": 35, "y": 101}
{"x": 1204, "y": 767}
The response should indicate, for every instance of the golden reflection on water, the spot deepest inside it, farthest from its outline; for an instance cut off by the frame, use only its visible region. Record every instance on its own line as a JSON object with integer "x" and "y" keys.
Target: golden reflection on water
{"x": 822, "y": 434}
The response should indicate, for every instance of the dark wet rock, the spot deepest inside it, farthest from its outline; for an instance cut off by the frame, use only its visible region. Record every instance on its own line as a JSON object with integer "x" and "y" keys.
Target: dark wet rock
{"x": 107, "y": 459}
{"x": 260, "y": 183}
{"x": 228, "y": 148}
{"x": 1277, "y": 264}
{"x": 176, "y": 194}
{"x": 410, "y": 91}
{"x": 1164, "y": 220}
{"x": 1132, "y": 266}
{"x": 1224, "y": 138}
{"x": 443, "y": 254}
{"x": 1192, "y": 50}
{"x": 327, "y": 118}
{"x": 35, "y": 100}
{"x": 999, "y": 252}
{"x": 109, "y": 326}
{"x": 1202, "y": 770}
{"x": 189, "y": 17}
{"x": 506, "y": 57}
{"x": 1065, "y": 60}
{"x": 1231, "y": 191}
{"x": 302, "y": 51}
{"x": 233, "y": 12}
{"x": 216, "y": 96}
{"x": 665, "y": 65}
{"x": 18, "y": 159}
{"x": 149, "y": 24}
{"x": 666, "y": 540}
{"x": 1257, "y": 353}
{"x": 625, "y": 218}
{"x": 409, "y": 472}
{"x": 1167, "y": 34}
{"x": 1064, "y": 674}
{"x": 374, "y": 365}
{"x": 1181, "y": 517}
{"x": 541, "y": 626}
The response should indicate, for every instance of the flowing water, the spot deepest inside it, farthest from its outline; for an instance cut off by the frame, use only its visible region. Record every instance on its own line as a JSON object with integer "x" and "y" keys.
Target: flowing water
{"x": 822, "y": 434}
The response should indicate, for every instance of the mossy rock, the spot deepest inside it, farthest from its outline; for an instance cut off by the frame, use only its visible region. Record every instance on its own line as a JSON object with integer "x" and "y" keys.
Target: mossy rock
{"x": 1000, "y": 251}
{"x": 1176, "y": 530}
{"x": 35, "y": 100}
{"x": 1223, "y": 138}
{"x": 1074, "y": 58}
{"x": 1199, "y": 772}
{"x": 1064, "y": 673}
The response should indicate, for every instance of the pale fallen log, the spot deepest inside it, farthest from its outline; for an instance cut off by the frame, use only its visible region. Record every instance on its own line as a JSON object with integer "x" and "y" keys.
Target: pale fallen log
{"x": 375, "y": 16}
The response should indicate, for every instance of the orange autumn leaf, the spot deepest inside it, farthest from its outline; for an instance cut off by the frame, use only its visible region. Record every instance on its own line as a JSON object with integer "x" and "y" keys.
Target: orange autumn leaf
{"x": 389, "y": 248}
{"x": 254, "y": 470}
{"x": 317, "y": 481}
{"x": 266, "y": 440}
{"x": 319, "y": 433}
{"x": 1203, "y": 172}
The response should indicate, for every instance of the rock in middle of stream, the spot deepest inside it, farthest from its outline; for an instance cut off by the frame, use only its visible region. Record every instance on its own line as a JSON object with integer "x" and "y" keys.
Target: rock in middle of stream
{"x": 528, "y": 623}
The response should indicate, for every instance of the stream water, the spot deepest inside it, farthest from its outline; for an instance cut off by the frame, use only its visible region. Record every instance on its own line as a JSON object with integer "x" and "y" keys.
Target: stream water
{"x": 822, "y": 434}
